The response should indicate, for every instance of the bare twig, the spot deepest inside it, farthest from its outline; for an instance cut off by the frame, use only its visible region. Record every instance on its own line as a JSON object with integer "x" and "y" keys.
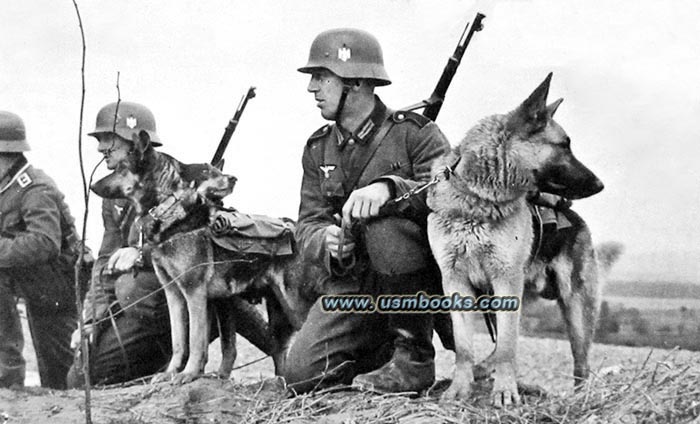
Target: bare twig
{"x": 262, "y": 358}
{"x": 116, "y": 109}
{"x": 81, "y": 248}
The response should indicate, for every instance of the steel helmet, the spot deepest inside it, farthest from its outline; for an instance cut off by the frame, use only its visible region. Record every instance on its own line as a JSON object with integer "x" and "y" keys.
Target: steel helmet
{"x": 13, "y": 137}
{"x": 132, "y": 118}
{"x": 348, "y": 53}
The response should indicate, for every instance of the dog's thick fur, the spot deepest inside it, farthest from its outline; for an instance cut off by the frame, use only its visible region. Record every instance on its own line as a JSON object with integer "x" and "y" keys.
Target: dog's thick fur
{"x": 205, "y": 271}
{"x": 481, "y": 234}
{"x": 195, "y": 274}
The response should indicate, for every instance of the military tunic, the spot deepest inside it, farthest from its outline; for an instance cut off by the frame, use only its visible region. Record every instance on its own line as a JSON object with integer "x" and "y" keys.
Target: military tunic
{"x": 397, "y": 148}
{"x": 37, "y": 252}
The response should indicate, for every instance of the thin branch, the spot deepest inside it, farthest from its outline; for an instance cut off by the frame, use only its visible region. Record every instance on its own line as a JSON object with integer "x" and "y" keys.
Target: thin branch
{"x": 81, "y": 247}
{"x": 116, "y": 109}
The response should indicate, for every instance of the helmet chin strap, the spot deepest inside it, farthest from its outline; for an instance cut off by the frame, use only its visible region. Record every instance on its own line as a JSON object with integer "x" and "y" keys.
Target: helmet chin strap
{"x": 341, "y": 102}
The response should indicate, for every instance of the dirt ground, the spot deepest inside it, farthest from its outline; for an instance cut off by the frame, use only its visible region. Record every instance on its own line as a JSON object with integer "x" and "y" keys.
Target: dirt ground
{"x": 253, "y": 395}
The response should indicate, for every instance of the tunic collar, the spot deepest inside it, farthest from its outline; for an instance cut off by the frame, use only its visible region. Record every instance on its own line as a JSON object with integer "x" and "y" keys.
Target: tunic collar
{"x": 366, "y": 130}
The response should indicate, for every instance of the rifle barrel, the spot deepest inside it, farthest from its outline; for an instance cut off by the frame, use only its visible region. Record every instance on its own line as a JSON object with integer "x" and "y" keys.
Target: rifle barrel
{"x": 434, "y": 103}
{"x": 231, "y": 127}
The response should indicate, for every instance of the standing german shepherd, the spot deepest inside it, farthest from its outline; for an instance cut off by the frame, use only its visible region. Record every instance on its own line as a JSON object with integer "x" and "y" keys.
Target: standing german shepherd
{"x": 186, "y": 254}
{"x": 481, "y": 234}
{"x": 175, "y": 200}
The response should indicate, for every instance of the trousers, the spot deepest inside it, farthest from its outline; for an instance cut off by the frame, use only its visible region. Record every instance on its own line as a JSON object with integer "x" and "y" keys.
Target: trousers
{"x": 50, "y": 329}
{"x": 133, "y": 340}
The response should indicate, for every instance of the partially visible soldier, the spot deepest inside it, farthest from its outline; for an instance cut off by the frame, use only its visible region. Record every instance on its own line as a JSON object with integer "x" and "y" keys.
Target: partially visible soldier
{"x": 353, "y": 167}
{"x": 125, "y": 313}
{"x": 125, "y": 320}
{"x": 38, "y": 246}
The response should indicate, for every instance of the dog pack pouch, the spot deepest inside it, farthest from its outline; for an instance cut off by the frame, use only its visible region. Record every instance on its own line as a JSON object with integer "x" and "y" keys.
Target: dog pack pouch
{"x": 257, "y": 234}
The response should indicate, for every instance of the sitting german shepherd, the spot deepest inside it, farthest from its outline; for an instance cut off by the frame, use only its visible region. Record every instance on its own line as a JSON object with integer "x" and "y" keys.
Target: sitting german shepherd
{"x": 180, "y": 198}
{"x": 481, "y": 234}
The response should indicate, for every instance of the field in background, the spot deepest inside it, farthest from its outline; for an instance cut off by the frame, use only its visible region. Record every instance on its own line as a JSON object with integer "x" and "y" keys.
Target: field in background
{"x": 661, "y": 315}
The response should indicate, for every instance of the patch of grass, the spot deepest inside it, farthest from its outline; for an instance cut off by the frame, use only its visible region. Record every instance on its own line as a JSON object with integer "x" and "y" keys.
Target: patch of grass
{"x": 627, "y": 385}
{"x": 663, "y": 389}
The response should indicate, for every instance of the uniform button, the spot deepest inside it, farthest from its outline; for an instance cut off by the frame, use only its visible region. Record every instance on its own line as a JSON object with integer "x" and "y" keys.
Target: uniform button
{"x": 400, "y": 116}
{"x": 351, "y": 142}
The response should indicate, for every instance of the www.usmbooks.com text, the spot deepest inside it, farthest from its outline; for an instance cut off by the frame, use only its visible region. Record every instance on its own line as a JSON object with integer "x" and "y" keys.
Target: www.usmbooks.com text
{"x": 420, "y": 302}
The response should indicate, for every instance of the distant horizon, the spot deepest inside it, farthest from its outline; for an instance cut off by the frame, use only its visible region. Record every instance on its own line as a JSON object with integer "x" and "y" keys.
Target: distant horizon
{"x": 658, "y": 266}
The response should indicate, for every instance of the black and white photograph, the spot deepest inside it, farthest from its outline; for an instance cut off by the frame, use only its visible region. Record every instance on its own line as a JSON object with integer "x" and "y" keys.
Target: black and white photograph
{"x": 371, "y": 211}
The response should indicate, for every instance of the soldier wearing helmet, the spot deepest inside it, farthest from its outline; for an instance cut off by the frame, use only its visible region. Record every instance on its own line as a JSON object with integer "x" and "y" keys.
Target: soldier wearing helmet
{"x": 117, "y": 127}
{"x": 368, "y": 155}
{"x": 38, "y": 247}
{"x": 133, "y": 342}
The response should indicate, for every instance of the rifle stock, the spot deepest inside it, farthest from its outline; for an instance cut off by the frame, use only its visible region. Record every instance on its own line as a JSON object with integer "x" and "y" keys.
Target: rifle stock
{"x": 431, "y": 106}
{"x": 231, "y": 127}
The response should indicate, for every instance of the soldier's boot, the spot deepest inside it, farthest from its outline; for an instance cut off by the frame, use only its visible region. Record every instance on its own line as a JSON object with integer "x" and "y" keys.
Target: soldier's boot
{"x": 412, "y": 365}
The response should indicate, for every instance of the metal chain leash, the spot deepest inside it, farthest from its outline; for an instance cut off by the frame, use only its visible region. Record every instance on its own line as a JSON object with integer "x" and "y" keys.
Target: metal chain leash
{"x": 444, "y": 175}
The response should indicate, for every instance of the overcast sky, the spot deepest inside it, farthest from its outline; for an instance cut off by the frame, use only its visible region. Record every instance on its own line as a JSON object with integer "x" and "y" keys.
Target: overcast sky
{"x": 628, "y": 71}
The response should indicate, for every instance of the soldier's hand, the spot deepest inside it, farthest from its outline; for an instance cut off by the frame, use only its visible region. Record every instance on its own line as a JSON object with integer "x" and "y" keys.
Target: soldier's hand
{"x": 89, "y": 332}
{"x": 366, "y": 201}
{"x": 333, "y": 241}
{"x": 123, "y": 259}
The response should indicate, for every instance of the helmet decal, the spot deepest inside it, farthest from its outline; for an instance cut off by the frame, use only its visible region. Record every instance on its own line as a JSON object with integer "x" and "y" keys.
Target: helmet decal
{"x": 344, "y": 53}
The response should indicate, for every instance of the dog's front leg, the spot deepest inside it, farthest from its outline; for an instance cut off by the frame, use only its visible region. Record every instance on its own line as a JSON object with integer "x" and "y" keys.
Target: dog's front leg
{"x": 177, "y": 310}
{"x": 454, "y": 280}
{"x": 463, "y": 333}
{"x": 196, "y": 295}
{"x": 505, "y": 387}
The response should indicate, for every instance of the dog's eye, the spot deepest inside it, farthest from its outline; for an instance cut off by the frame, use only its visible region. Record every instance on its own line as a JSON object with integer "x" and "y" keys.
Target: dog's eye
{"x": 567, "y": 142}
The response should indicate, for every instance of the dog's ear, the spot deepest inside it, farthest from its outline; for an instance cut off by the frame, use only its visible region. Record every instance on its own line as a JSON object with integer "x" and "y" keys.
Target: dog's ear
{"x": 532, "y": 114}
{"x": 142, "y": 142}
{"x": 552, "y": 107}
{"x": 220, "y": 164}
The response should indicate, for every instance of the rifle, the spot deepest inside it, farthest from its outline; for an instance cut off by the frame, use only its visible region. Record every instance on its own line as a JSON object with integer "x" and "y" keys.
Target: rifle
{"x": 433, "y": 104}
{"x": 231, "y": 127}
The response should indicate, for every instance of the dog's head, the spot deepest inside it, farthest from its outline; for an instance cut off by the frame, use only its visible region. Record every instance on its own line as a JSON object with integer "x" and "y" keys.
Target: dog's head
{"x": 122, "y": 183}
{"x": 126, "y": 180}
{"x": 191, "y": 205}
{"x": 210, "y": 182}
{"x": 544, "y": 148}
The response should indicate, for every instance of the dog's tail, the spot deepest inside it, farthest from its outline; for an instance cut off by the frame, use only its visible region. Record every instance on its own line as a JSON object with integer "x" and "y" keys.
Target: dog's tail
{"x": 607, "y": 254}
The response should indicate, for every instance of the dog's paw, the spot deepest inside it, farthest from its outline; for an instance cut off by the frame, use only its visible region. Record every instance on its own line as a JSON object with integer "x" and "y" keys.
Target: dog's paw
{"x": 162, "y": 377}
{"x": 457, "y": 392}
{"x": 505, "y": 392}
{"x": 224, "y": 373}
{"x": 184, "y": 378}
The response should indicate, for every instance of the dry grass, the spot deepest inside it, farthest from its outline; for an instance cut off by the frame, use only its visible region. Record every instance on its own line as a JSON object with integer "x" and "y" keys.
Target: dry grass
{"x": 630, "y": 385}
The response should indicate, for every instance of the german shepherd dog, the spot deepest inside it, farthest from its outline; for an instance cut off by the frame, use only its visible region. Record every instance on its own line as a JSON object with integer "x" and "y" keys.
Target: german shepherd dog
{"x": 185, "y": 253}
{"x": 481, "y": 234}
{"x": 176, "y": 201}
